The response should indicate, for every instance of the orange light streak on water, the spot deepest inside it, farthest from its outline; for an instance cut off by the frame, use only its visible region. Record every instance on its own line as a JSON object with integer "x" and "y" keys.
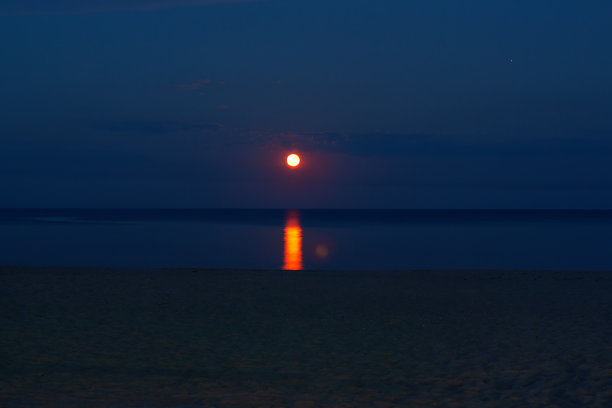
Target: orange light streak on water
{"x": 293, "y": 242}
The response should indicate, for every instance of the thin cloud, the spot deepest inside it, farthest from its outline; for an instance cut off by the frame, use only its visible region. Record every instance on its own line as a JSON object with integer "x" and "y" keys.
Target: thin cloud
{"x": 601, "y": 132}
{"x": 195, "y": 85}
{"x": 428, "y": 145}
{"x": 350, "y": 143}
{"x": 37, "y": 7}
{"x": 159, "y": 127}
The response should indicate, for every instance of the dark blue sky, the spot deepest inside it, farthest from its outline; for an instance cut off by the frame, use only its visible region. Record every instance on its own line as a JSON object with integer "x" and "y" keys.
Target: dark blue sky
{"x": 403, "y": 104}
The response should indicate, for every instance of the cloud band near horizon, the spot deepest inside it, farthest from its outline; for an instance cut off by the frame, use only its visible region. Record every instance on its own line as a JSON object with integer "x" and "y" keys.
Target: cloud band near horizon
{"x": 40, "y": 7}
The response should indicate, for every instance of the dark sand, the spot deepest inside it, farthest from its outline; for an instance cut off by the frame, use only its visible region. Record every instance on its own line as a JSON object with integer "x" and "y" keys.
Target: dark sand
{"x": 225, "y": 339}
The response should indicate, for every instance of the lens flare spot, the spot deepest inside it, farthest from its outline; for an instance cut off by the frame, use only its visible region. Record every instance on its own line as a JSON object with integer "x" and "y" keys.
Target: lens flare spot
{"x": 322, "y": 251}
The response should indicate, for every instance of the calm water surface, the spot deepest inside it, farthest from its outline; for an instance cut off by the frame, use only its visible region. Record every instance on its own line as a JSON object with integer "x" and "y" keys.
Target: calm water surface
{"x": 308, "y": 239}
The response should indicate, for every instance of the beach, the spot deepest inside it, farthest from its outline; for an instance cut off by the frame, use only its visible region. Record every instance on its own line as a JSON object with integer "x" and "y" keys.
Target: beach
{"x": 85, "y": 337}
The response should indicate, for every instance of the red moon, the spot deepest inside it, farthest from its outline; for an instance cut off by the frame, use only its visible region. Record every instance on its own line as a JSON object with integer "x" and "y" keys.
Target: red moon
{"x": 293, "y": 160}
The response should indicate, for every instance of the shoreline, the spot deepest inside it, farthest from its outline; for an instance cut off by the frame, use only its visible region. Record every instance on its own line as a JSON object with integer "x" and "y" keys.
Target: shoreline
{"x": 50, "y": 268}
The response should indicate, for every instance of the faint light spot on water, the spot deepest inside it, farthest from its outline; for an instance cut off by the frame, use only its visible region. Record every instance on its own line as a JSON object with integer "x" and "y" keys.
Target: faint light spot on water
{"x": 322, "y": 251}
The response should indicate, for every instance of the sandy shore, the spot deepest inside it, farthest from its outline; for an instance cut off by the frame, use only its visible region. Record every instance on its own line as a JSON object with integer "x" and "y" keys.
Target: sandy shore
{"x": 225, "y": 339}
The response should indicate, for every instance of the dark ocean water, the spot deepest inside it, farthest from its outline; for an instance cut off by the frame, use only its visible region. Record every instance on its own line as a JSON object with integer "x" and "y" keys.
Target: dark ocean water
{"x": 309, "y": 239}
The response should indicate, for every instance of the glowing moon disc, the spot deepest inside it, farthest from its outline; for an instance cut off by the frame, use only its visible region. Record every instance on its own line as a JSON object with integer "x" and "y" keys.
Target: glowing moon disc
{"x": 293, "y": 160}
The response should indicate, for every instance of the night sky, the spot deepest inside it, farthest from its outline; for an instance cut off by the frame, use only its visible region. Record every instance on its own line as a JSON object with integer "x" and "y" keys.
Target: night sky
{"x": 391, "y": 104}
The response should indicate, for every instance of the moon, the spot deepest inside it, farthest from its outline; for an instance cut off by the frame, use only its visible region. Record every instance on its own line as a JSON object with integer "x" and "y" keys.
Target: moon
{"x": 293, "y": 160}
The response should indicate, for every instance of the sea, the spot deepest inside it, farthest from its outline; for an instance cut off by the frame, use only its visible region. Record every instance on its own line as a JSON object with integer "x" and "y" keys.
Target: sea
{"x": 308, "y": 239}
{"x": 305, "y": 308}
